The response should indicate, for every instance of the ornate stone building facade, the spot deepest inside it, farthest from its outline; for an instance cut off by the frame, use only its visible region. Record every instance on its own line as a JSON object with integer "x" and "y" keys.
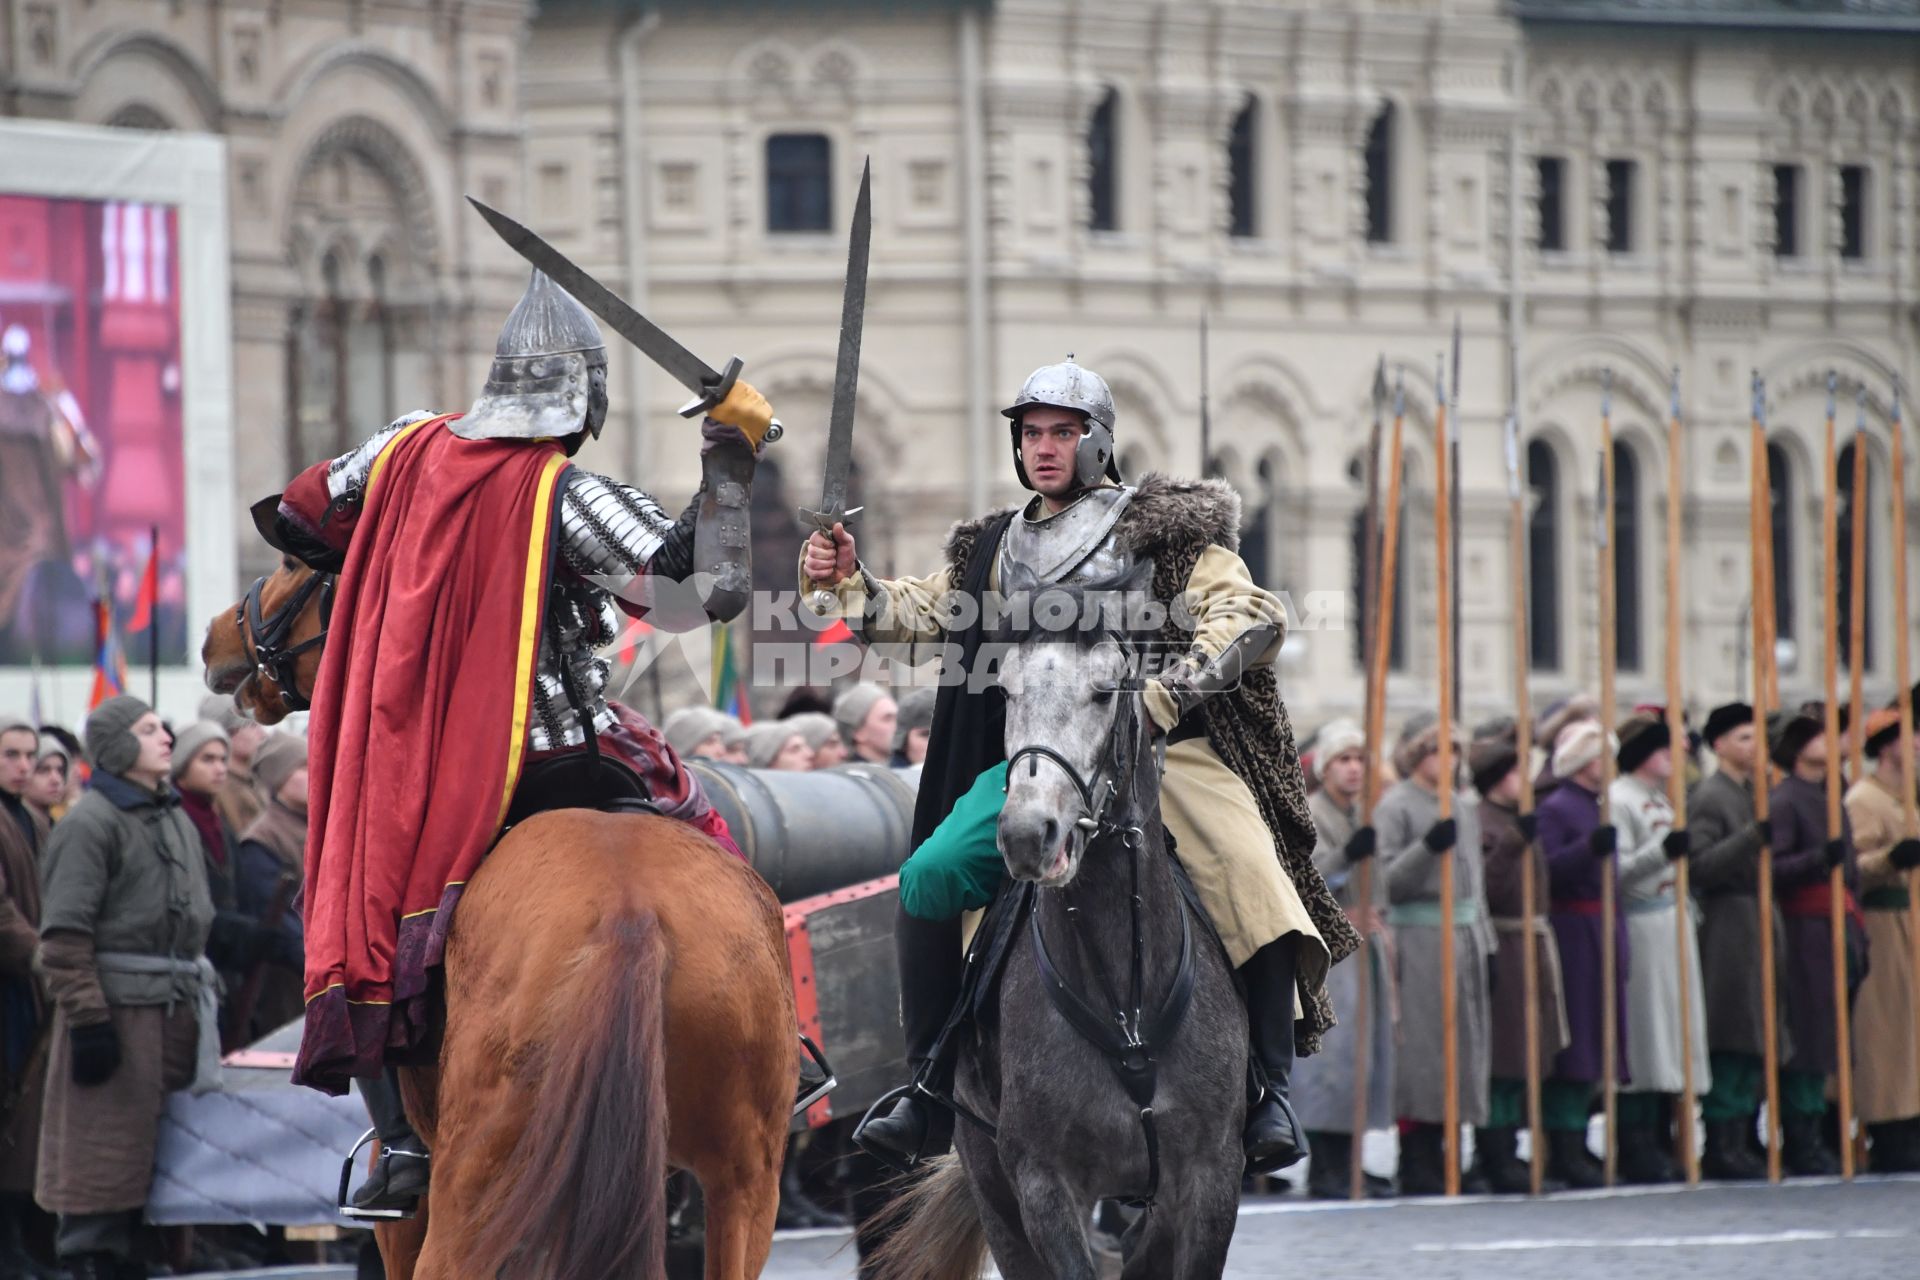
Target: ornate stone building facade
{"x": 1627, "y": 185}
{"x": 361, "y": 281}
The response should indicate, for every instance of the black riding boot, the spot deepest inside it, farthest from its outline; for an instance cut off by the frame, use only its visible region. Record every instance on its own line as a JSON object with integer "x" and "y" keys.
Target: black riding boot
{"x": 1729, "y": 1156}
{"x": 1273, "y": 1136}
{"x": 931, "y": 968}
{"x": 399, "y": 1176}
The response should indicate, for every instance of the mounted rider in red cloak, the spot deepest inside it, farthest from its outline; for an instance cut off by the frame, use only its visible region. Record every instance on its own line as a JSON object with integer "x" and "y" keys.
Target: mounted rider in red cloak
{"x": 478, "y": 572}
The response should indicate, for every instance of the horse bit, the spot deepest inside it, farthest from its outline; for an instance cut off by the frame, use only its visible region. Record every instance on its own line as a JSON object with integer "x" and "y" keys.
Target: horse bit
{"x": 266, "y": 636}
{"x": 1125, "y": 1036}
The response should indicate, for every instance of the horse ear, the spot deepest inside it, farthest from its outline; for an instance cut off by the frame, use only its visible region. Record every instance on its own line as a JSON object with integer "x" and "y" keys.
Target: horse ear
{"x": 266, "y": 522}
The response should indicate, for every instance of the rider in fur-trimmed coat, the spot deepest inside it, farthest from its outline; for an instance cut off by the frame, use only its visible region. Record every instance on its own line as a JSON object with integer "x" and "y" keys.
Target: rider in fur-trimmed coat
{"x": 1233, "y": 797}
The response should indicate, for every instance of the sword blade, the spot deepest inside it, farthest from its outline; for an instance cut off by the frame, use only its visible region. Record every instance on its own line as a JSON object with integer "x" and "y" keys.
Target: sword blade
{"x": 689, "y": 370}
{"x": 846, "y": 373}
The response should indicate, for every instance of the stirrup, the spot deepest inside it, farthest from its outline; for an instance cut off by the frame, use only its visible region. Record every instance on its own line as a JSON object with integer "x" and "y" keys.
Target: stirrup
{"x": 881, "y": 1105}
{"x": 826, "y": 1085}
{"x": 344, "y": 1205}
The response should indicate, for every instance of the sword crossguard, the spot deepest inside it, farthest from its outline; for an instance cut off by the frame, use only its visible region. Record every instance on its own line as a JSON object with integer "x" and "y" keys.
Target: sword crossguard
{"x": 718, "y": 391}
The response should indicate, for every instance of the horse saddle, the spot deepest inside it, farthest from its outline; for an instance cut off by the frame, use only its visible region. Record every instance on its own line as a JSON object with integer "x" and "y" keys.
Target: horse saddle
{"x": 579, "y": 780}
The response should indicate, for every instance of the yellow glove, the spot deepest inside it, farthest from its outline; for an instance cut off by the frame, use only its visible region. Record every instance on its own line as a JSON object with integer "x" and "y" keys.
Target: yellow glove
{"x": 746, "y": 409}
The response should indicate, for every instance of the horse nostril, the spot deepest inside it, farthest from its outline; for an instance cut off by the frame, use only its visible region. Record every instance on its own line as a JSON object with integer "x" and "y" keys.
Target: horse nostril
{"x": 1049, "y": 837}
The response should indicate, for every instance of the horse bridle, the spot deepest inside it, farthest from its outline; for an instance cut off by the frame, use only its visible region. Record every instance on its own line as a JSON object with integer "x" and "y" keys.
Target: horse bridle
{"x": 1126, "y": 1037}
{"x": 266, "y": 635}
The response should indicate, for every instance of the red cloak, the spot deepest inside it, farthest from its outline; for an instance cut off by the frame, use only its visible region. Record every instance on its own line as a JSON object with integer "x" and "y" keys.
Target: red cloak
{"x": 419, "y": 723}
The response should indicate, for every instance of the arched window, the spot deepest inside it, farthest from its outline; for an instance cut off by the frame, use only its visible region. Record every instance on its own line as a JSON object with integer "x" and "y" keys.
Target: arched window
{"x": 1843, "y": 586}
{"x": 1543, "y": 557}
{"x": 1103, "y": 164}
{"x": 1379, "y": 160}
{"x": 799, "y": 182}
{"x": 1243, "y": 172}
{"x": 1626, "y": 557}
{"x": 1780, "y": 479}
{"x": 1364, "y": 591}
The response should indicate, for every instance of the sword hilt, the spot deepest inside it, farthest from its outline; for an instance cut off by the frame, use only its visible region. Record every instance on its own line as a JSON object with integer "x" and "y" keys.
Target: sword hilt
{"x": 823, "y": 521}
{"x": 713, "y": 395}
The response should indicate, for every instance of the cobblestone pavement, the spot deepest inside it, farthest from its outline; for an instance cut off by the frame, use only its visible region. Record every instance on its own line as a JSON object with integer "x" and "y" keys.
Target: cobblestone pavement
{"x": 1863, "y": 1231}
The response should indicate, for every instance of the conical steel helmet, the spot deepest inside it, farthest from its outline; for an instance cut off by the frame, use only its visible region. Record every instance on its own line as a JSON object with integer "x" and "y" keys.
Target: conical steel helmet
{"x": 549, "y": 373}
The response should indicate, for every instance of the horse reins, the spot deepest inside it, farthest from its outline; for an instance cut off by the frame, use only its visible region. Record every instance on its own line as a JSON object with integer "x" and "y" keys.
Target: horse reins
{"x": 266, "y": 635}
{"x": 1125, "y": 1037}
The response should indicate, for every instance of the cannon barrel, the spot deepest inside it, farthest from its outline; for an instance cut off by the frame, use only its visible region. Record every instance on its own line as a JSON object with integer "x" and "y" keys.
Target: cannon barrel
{"x": 810, "y": 833}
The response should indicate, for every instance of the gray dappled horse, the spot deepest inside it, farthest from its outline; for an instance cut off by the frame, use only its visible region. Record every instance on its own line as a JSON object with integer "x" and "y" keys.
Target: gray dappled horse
{"x": 1112, "y": 1061}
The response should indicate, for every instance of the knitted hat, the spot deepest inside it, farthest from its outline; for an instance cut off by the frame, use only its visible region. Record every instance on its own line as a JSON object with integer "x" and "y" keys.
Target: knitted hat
{"x": 1788, "y": 734}
{"x": 1491, "y": 758}
{"x": 916, "y": 712}
{"x": 688, "y": 727}
{"x": 1336, "y": 738}
{"x": 1641, "y": 734}
{"x": 1883, "y": 730}
{"x": 814, "y": 727}
{"x": 851, "y": 708}
{"x": 111, "y": 746}
{"x": 278, "y": 757}
{"x": 1580, "y": 745}
{"x": 221, "y": 709}
{"x": 190, "y": 741}
{"x": 765, "y": 741}
{"x": 1724, "y": 719}
{"x": 50, "y": 747}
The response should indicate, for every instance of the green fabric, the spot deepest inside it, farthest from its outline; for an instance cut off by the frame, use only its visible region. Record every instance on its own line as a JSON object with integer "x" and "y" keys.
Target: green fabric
{"x": 1737, "y": 1078}
{"x": 1894, "y": 899}
{"x": 1565, "y": 1104}
{"x": 1803, "y": 1093}
{"x": 958, "y": 867}
{"x": 1426, "y": 915}
{"x": 1507, "y": 1104}
{"x": 1643, "y": 1110}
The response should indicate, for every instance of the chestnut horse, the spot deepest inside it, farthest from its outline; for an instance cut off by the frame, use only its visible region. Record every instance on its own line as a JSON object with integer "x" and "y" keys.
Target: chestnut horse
{"x": 618, "y": 1003}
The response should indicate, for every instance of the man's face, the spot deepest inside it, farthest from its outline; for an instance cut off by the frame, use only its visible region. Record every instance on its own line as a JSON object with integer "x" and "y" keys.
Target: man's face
{"x": 17, "y": 748}
{"x": 1812, "y": 763}
{"x": 1657, "y": 767}
{"x": 1735, "y": 748}
{"x": 916, "y": 748}
{"x": 293, "y": 792}
{"x": 48, "y": 786}
{"x": 243, "y": 741}
{"x": 873, "y": 740}
{"x": 156, "y": 747}
{"x": 1048, "y": 439}
{"x": 829, "y": 753}
{"x": 208, "y": 771}
{"x": 1344, "y": 773}
{"x": 711, "y": 747}
{"x": 795, "y": 754}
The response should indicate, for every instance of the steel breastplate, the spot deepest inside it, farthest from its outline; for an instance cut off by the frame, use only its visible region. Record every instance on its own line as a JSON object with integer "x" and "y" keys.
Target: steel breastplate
{"x": 1074, "y": 545}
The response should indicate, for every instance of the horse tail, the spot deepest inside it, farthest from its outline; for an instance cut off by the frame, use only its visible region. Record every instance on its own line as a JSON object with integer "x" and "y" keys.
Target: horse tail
{"x": 931, "y": 1230}
{"x": 584, "y": 1187}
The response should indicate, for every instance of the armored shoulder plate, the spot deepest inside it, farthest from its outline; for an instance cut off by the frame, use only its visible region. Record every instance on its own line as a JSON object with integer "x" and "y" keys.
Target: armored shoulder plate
{"x": 1074, "y": 544}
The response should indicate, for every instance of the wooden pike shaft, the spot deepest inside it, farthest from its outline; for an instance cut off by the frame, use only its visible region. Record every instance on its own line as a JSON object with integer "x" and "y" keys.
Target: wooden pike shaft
{"x": 1857, "y": 606}
{"x": 1903, "y": 675}
{"x": 1677, "y": 793}
{"x": 1380, "y": 634}
{"x": 1443, "y": 593}
{"x": 1523, "y": 722}
{"x": 1762, "y": 615}
{"x": 1609, "y": 907}
{"x": 1836, "y": 877}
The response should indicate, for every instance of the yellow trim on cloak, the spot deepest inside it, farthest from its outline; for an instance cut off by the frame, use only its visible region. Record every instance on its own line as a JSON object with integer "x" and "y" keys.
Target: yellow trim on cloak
{"x": 536, "y": 581}
{"x": 386, "y": 450}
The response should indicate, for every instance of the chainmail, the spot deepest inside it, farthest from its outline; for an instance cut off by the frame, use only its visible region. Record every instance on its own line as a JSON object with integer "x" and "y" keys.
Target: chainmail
{"x": 348, "y": 472}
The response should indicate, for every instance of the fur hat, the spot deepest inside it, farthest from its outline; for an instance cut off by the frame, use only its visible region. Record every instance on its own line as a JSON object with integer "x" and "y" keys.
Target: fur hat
{"x": 916, "y": 712}
{"x": 688, "y": 727}
{"x": 1419, "y": 738}
{"x": 1555, "y": 719}
{"x": 1581, "y": 743}
{"x": 191, "y": 741}
{"x": 765, "y": 741}
{"x": 1490, "y": 758}
{"x": 1788, "y": 733}
{"x": 1724, "y": 719}
{"x": 854, "y": 704}
{"x": 111, "y": 746}
{"x": 1882, "y": 731}
{"x": 222, "y": 710}
{"x": 1336, "y": 738}
{"x": 1641, "y": 734}
{"x": 276, "y": 759}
